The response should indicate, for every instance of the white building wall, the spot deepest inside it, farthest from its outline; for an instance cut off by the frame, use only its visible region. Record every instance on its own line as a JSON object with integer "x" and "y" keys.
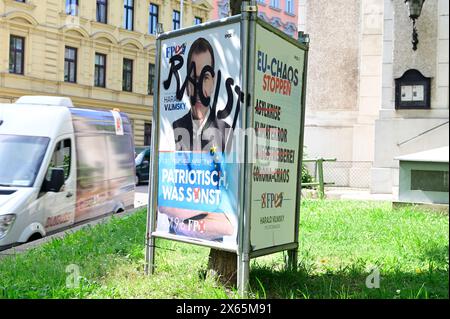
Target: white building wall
{"x": 344, "y": 85}
{"x": 399, "y": 132}
{"x": 442, "y": 77}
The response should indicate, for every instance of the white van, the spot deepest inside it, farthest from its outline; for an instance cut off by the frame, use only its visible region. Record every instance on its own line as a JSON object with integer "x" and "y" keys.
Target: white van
{"x": 60, "y": 165}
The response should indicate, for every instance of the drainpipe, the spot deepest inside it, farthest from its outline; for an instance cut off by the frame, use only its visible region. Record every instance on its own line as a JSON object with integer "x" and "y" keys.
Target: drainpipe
{"x": 181, "y": 13}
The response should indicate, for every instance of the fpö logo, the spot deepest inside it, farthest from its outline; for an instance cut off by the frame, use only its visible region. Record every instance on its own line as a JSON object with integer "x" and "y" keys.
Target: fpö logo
{"x": 175, "y": 50}
{"x": 189, "y": 225}
{"x": 272, "y": 200}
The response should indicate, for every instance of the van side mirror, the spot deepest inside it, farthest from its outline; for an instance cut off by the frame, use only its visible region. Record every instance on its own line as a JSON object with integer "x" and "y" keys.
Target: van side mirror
{"x": 56, "y": 181}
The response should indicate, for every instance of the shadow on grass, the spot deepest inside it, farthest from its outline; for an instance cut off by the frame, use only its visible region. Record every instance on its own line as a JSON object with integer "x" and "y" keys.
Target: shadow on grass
{"x": 437, "y": 255}
{"x": 349, "y": 282}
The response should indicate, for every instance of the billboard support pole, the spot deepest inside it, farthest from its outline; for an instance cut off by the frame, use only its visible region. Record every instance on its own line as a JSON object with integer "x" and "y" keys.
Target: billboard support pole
{"x": 152, "y": 189}
{"x": 248, "y": 39}
{"x": 293, "y": 253}
{"x": 243, "y": 266}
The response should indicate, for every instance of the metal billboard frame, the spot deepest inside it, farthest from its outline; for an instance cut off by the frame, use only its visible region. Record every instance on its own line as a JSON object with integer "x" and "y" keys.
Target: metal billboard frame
{"x": 248, "y": 22}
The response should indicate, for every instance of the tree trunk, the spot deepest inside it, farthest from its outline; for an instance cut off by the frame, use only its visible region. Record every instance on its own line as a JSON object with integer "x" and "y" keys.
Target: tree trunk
{"x": 223, "y": 264}
{"x": 235, "y": 6}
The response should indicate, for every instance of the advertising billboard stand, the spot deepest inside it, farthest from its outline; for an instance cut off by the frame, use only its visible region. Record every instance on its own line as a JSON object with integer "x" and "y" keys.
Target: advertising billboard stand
{"x": 227, "y": 140}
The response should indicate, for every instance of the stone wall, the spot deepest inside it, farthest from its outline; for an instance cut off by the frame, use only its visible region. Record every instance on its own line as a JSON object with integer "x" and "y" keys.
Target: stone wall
{"x": 333, "y": 61}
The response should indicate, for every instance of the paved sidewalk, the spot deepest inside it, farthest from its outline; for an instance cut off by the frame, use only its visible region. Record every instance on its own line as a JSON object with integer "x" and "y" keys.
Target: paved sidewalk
{"x": 350, "y": 194}
{"x": 141, "y": 195}
{"x": 357, "y": 194}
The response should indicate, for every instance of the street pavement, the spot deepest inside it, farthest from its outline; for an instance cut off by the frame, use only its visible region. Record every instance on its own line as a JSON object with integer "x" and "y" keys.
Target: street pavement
{"x": 141, "y": 195}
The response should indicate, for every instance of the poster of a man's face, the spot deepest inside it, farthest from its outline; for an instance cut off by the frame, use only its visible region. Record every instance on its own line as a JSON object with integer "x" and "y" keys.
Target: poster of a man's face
{"x": 197, "y": 193}
{"x": 202, "y": 56}
{"x": 200, "y": 129}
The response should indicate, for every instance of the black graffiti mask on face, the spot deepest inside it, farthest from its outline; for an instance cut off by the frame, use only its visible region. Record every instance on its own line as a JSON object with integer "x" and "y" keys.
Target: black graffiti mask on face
{"x": 201, "y": 80}
{"x": 176, "y": 64}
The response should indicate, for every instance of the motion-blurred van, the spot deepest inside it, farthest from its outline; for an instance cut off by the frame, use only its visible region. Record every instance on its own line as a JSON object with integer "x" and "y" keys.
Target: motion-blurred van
{"x": 61, "y": 165}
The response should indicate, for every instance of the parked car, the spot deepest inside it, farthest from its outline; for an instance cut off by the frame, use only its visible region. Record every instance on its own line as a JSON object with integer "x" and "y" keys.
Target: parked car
{"x": 78, "y": 166}
{"x": 139, "y": 149}
{"x": 142, "y": 162}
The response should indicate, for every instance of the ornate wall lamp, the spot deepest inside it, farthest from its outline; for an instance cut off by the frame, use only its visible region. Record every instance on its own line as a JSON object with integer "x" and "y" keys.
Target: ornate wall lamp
{"x": 415, "y": 8}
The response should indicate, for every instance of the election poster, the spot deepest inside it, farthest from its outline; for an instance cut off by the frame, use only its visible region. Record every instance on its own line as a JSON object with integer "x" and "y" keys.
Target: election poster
{"x": 278, "y": 87}
{"x": 200, "y": 97}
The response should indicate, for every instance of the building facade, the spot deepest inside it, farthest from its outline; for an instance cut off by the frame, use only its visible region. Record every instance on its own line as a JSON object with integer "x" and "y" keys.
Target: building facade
{"x": 401, "y": 129}
{"x": 344, "y": 85}
{"x": 280, "y": 13}
{"x": 99, "y": 53}
{"x": 357, "y": 51}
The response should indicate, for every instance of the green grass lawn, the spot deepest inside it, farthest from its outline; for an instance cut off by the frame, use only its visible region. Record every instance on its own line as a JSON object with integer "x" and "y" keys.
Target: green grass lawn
{"x": 340, "y": 243}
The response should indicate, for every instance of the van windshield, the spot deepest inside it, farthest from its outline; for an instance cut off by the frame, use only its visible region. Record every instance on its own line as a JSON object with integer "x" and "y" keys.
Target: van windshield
{"x": 20, "y": 159}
